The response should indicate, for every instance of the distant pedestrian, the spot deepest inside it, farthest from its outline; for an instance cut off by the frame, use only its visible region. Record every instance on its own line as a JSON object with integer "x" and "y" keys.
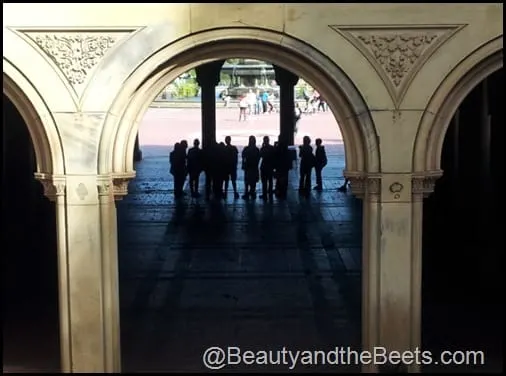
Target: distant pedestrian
{"x": 267, "y": 153}
{"x": 320, "y": 163}
{"x": 195, "y": 167}
{"x": 283, "y": 164}
{"x": 307, "y": 162}
{"x": 231, "y": 160}
{"x": 250, "y": 160}
{"x": 243, "y": 108}
{"x": 177, "y": 159}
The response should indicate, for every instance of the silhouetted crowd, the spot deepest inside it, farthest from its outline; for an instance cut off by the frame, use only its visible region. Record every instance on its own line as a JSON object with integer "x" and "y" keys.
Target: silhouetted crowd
{"x": 269, "y": 164}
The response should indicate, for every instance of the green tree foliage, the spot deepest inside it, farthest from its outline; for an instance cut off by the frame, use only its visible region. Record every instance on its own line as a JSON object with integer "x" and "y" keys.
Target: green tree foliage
{"x": 186, "y": 86}
{"x": 225, "y": 79}
{"x": 186, "y": 89}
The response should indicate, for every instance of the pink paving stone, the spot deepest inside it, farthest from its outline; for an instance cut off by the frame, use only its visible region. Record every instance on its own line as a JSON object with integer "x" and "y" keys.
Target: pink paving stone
{"x": 166, "y": 126}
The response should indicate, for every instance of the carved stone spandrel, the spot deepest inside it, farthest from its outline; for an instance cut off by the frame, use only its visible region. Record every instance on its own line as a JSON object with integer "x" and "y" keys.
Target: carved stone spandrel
{"x": 397, "y": 52}
{"x": 76, "y": 53}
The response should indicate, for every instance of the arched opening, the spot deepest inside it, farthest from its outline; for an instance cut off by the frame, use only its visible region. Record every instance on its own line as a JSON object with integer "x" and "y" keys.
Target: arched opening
{"x": 463, "y": 232}
{"x": 258, "y": 275}
{"x": 29, "y": 267}
{"x": 162, "y": 66}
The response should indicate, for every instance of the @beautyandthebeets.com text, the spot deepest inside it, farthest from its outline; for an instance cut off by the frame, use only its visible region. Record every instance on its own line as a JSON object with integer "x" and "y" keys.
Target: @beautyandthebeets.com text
{"x": 216, "y": 358}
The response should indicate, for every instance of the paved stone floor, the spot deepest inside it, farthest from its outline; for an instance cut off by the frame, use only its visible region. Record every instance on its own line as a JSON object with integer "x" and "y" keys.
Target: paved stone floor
{"x": 257, "y": 275}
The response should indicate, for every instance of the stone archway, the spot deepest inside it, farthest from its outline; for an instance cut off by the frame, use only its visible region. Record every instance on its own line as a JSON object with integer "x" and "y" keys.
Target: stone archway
{"x": 481, "y": 63}
{"x": 33, "y": 151}
{"x": 42, "y": 129}
{"x": 142, "y": 86}
{"x": 146, "y": 81}
{"x": 50, "y": 168}
{"x": 444, "y": 238}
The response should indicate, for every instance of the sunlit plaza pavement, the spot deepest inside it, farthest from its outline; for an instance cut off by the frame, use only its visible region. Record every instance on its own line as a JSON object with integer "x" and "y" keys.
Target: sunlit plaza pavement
{"x": 165, "y": 126}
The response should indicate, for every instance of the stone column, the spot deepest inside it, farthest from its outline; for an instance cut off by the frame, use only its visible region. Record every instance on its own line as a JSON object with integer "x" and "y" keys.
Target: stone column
{"x": 367, "y": 188}
{"x": 107, "y": 189}
{"x": 208, "y": 76}
{"x": 392, "y": 262}
{"x": 422, "y": 185}
{"x": 88, "y": 336}
{"x": 54, "y": 190}
{"x": 286, "y": 81}
{"x": 137, "y": 150}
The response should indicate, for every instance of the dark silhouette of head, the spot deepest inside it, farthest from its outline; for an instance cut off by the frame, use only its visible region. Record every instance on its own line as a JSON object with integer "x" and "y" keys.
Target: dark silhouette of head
{"x": 228, "y": 140}
{"x": 318, "y": 141}
{"x": 266, "y": 140}
{"x": 252, "y": 141}
{"x": 184, "y": 144}
{"x": 177, "y": 146}
{"x": 306, "y": 140}
{"x": 222, "y": 143}
{"x": 196, "y": 143}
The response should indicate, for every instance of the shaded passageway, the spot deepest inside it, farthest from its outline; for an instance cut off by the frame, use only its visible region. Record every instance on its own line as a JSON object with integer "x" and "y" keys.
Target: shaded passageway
{"x": 29, "y": 264}
{"x": 463, "y": 267}
{"x": 253, "y": 274}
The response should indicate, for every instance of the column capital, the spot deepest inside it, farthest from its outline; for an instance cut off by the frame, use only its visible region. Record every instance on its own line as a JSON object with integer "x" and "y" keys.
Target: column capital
{"x": 209, "y": 74}
{"x": 423, "y": 183}
{"x": 105, "y": 186}
{"x": 54, "y": 185}
{"x": 120, "y": 184}
{"x": 370, "y": 185}
{"x": 364, "y": 184}
{"x": 284, "y": 77}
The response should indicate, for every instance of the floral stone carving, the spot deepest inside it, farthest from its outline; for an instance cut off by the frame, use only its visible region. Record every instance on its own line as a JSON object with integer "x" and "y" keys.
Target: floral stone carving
{"x": 75, "y": 54}
{"x": 397, "y": 52}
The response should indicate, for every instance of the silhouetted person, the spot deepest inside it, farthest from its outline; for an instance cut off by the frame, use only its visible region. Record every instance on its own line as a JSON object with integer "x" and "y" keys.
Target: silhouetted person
{"x": 267, "y": 153}
{"x": 307, "y": 162}
{"x": 276, "y": 146}
{"x": 220, "y": 170}
{"x": 322, "y": 105}
{"x": 195, "y": 167}
{"x": 231, "y": 160}
{"x": 320, "y": 163}
{"x": 344, "y": 187}
{"x": 298, "y": 115}
{"x": 250, "y": 160}
{"x": 283, "y": 164}
{"x": 184, "y": 144}
{"x": 177, "y": 160}
{"x": 211, "y": 168}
